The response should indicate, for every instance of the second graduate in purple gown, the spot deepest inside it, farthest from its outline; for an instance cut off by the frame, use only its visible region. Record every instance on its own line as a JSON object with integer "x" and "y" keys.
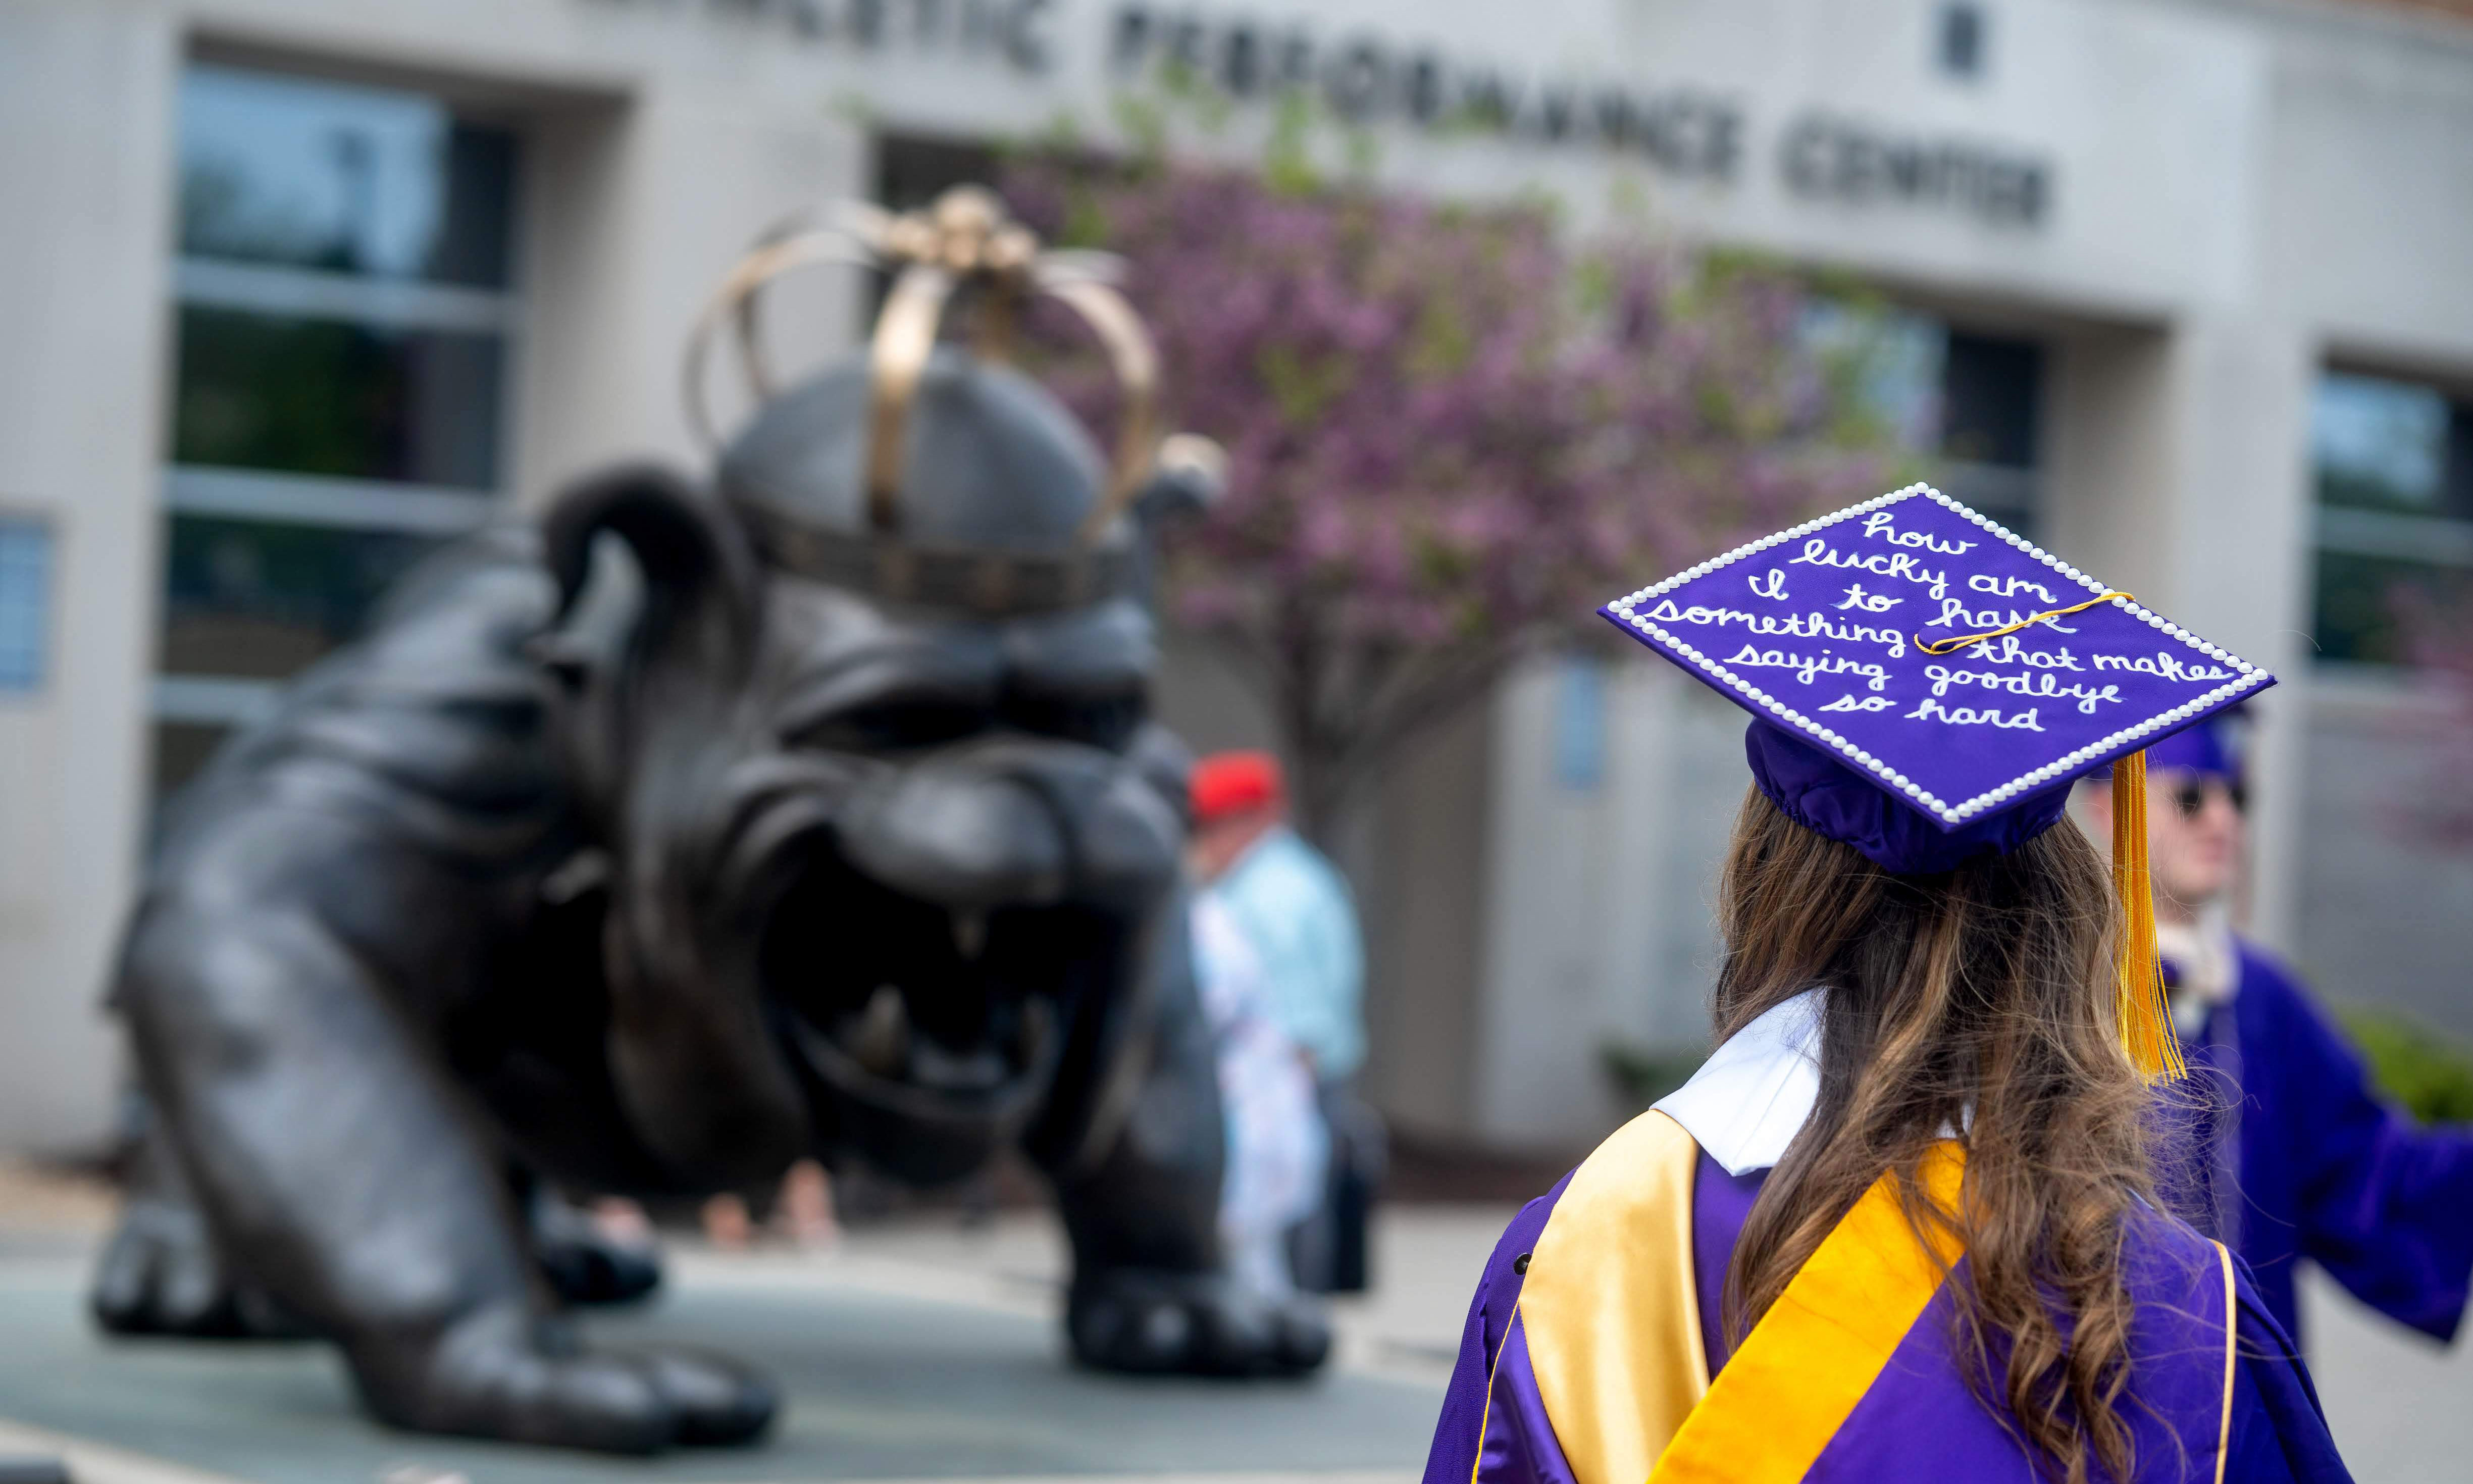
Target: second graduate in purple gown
{"x": 2280, "y": 1148}
{"x": 1901, "y": 1225}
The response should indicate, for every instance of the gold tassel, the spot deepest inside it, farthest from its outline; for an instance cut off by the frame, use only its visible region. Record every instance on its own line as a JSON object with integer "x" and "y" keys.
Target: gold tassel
{"x": 2144, "y": 1016}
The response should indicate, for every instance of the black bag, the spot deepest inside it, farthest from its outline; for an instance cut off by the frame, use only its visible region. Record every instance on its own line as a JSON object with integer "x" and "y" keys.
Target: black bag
{"x": 1331, "y": 1250}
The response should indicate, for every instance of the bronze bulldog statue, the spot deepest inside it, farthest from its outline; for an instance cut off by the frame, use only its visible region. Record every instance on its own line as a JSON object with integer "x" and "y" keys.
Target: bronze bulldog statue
{"x": 690, "y": 831}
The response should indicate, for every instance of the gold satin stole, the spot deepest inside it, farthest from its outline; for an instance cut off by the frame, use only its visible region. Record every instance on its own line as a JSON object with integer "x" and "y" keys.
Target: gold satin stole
{"x": 1612, "y": 1317}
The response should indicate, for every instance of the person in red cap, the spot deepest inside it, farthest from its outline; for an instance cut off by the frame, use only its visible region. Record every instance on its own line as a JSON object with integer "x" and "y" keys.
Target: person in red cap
{"x": 1237, "y": 798}
{"x": 1292, "y": 903}
{"x": 1295, "y": 911}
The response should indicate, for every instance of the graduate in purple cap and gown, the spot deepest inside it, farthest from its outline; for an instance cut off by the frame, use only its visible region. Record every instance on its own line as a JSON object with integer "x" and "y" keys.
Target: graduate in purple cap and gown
{"x": 2284, "y": 1150}
{"x": 1902, "y": 1225}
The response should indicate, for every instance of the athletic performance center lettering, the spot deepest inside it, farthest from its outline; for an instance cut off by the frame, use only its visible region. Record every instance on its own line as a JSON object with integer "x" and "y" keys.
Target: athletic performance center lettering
{"x": 1365, "y": 78}
{"x": 1682, "y": 131}
{"x": 1693, "y": 133}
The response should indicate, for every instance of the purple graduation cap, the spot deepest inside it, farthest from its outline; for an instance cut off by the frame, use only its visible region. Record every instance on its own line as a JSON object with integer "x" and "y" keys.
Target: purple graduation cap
{"x": 2211, "y": 749}
{"x": 1924, "y": 684}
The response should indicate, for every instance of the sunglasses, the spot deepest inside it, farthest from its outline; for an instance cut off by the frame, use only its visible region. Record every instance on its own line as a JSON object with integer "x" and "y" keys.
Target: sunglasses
{"x": 2191, "y": 798}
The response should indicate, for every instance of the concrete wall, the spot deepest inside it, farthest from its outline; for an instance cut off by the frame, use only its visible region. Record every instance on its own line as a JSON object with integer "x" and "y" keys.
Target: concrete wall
{"x": 1586, "y": 889}
{"x": 86, "y": 136}
{"x": 2307, "y": 179}
{"x": 2371, "y": 132}
{"x": 1421, "y": 884}
{"x": 2382, "y": 916}
{"x": 639, "y": 205}
{"x": 2241, "y": 191}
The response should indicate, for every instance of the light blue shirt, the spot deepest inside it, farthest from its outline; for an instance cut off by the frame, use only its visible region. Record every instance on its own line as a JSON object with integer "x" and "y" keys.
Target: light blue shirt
{"x": 1296, "y": 911}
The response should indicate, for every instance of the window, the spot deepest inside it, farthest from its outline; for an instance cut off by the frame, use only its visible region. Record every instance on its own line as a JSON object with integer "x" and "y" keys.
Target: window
{"x": 1958, "y": 40}
{"x": 345, "y": 312}
{"x": 2393, "y": 464}
{"x": 1580, "y": 723}
{"x": 25, "y": 602}
{"x": 1967, "y": 406}
{"x": 913, "y": 170}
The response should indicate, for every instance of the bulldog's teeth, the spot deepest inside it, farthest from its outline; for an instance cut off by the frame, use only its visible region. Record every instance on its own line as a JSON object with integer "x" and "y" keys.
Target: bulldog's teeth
{"x": 881, "y": 1040}
{"x": 970, "y": 934}
{"x": 979, "y": 1070}
{"x": 1030, "y": 1032}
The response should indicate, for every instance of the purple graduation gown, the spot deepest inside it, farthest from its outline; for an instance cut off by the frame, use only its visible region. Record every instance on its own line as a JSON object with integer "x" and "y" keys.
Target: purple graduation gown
{"x": 2326, "y": 1170}
{"x": 1920, "y": 1420}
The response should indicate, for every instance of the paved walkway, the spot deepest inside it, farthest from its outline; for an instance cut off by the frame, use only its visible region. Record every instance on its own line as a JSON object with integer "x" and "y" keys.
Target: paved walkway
{"x": 928, "y": 1352}
{"x": 2400, "y": 1404}
{"x": 907, "y": 1353}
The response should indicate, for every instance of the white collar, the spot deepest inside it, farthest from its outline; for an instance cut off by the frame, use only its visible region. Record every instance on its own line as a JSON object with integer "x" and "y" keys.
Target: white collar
{"x": 1747, "y": 1101}
{"x": 2205, "y": 955}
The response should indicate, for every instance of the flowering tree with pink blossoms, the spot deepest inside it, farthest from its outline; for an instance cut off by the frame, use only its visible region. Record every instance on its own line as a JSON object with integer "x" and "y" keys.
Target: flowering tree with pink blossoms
{"x": 1450, "y": 435}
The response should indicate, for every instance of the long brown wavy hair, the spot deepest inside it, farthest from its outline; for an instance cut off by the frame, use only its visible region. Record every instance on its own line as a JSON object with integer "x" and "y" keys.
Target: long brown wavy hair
{"x": 1978, "y": 999}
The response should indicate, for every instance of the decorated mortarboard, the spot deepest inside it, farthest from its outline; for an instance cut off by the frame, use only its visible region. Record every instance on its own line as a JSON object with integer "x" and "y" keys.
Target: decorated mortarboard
{"x": 1924, "y": 686}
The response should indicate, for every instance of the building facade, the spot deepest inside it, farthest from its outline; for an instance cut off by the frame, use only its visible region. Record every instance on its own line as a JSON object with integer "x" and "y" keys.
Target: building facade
{"x": 291, "y": 290}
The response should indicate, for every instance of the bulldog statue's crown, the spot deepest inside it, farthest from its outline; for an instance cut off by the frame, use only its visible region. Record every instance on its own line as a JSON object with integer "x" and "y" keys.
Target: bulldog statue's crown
{"x": 939, "y": 430}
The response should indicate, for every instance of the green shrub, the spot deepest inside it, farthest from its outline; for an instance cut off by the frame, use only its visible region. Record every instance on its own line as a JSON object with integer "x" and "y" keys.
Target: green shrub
{"x": 2430, "y": 1075}
{"x": 1643, "y": 1074}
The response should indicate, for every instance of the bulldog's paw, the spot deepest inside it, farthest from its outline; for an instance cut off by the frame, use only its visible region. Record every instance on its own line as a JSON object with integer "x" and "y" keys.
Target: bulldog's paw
{"x": 503, "y": 1373}
{"x": 1200, "y": 1324}
{"x": 160, "y": 1275}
